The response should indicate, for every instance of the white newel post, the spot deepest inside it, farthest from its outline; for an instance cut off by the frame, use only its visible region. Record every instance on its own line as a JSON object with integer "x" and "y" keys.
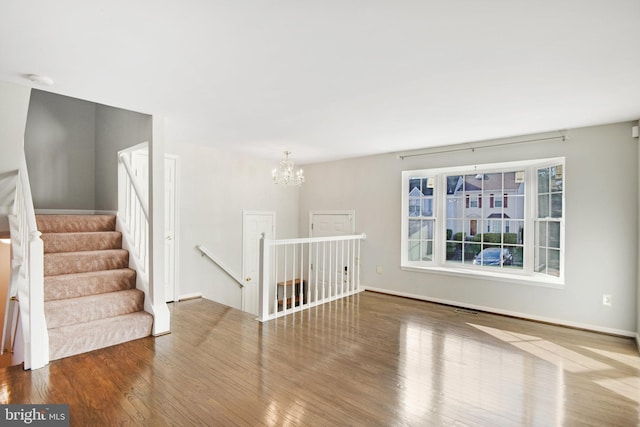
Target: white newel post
{"x": 263, "y": 289}
{"x": 38, "y": 349}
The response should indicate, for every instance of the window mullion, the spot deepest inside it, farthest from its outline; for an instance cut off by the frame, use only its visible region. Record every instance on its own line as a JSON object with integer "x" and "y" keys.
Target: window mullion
{"x": 442, "y": 192}
{"x": 440, "y": 235}
{"x": 530, "y": 197}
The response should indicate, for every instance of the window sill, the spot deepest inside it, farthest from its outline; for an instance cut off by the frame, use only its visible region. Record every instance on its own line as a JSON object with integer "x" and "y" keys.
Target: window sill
{"x": 538, "y": 280}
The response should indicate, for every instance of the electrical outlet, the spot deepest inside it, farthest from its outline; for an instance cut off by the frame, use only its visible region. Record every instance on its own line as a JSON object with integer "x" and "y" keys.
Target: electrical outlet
{"x": 606, "y": 300}
{"x": 379, "y": 269}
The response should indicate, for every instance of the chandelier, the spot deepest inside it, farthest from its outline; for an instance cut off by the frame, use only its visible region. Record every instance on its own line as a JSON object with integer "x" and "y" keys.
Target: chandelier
{"x": 285, "y": 173}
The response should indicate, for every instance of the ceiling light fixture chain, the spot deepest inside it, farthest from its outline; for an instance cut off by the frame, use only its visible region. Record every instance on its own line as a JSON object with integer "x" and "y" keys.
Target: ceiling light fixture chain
{"x": 286, "y": 174}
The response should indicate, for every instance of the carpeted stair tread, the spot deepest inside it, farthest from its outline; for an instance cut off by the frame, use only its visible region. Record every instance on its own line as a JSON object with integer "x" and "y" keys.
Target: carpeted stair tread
{"x": 92, "y": 307}
{"x": 81, "y": 241}
{"x": 83, "y": 337}
{"x": 91, "y": 300}
{"x": 75, "y": 223}
{"x": 89, "y": 283}
{"x": 80, "y": 262}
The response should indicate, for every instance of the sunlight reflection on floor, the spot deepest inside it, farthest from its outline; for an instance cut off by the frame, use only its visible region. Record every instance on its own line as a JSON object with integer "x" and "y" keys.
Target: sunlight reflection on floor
{"x": 574, "y": 362}
{"x": 628, "y": 387}
{"x": 562, "y": 357}
{"x": 631, "y": 360}
{"x": 445, "y": 377}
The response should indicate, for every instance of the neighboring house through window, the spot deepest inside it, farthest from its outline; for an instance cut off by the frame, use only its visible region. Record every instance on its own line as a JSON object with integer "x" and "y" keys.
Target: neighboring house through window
{"x": 519, "y": 233}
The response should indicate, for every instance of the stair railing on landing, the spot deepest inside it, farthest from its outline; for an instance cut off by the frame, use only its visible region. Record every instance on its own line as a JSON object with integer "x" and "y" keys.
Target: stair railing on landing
{"x": 26, "y": 288}
{"x": 134, "y": 215}
{"x": 297, "y": 274}
{"x": 205, "y": 252}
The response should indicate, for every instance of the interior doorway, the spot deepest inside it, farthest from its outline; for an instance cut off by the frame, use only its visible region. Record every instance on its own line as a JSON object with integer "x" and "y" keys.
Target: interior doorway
{"x": 254, "y": 223}
{"x": 171, "y": 221}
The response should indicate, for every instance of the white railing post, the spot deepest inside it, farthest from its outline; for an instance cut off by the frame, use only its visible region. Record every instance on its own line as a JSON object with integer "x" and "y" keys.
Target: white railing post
{"x": 263, "y": 284}
{"x": 37, "y": 347}
{"x": 364, "y": 237}
{"x": 324, "y": 258}
{"x": 302, "y": 291}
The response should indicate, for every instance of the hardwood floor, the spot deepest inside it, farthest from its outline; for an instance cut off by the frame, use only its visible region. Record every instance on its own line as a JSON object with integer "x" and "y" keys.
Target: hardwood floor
{"x": 370, "y": 360}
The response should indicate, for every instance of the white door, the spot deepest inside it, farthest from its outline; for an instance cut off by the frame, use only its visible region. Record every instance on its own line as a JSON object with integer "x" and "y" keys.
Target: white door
{"x": 171, "y": 169}
{"x": 254, "y": 224}
{"x": 334, "y": 272}
{"x": 333, "y": 223}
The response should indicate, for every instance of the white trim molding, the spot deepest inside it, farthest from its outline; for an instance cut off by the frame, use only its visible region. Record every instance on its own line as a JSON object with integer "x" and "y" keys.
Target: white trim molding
{"x": 525, "y": 316}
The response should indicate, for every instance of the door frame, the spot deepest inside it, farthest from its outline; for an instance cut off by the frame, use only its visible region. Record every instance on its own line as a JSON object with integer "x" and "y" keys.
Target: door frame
{"x": 245, "y": 214}
{"x": 350, "y": 212}
{"x": 176, "y": 230}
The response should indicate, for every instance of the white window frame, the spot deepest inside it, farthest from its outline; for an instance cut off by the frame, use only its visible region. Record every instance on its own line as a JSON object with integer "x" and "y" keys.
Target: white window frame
{"x": 440, "y": 265}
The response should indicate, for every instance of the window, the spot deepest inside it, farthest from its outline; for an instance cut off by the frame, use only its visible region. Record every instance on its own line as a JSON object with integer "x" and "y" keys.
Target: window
{"x": 420, "y": 222}
{"x": 548, "y": 220}
{"x": 518, "y": 233}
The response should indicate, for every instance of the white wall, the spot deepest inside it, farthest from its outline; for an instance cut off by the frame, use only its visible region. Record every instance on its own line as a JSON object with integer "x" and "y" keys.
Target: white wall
{"x": 637, "y": 141}
{"x": 14, "y": 105}
{"x": 215, "y": 187}
{"x": 601, "y": 228}
{"x": 60, "y": 150}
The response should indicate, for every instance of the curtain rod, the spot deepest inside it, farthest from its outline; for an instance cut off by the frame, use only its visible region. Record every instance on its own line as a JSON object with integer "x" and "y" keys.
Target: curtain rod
{"x": 453, "y": 150}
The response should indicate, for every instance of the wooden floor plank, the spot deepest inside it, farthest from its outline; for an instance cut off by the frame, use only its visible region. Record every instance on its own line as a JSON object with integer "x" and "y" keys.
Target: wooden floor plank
{"x": 371, "y": 359}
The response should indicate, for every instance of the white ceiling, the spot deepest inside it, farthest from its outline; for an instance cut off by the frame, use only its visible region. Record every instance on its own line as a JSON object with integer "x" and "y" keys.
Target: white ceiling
{"x": 335, "y": 79}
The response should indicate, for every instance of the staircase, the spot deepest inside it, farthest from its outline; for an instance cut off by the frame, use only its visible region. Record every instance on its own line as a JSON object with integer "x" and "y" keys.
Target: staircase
{"x": 90, "y": 294}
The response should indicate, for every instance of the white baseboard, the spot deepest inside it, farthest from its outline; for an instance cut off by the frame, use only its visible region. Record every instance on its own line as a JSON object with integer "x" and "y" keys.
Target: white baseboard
{"x": 185, "y": 297}
{"x": 594, "y": 328}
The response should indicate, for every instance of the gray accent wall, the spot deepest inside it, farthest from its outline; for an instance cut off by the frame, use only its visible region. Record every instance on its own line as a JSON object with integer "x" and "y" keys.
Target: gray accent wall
{"x": 116, "y": 129}
{"x": 601, "y": 228}
{"x": 71, "y": 147}
{"x": 60, "y": 150}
